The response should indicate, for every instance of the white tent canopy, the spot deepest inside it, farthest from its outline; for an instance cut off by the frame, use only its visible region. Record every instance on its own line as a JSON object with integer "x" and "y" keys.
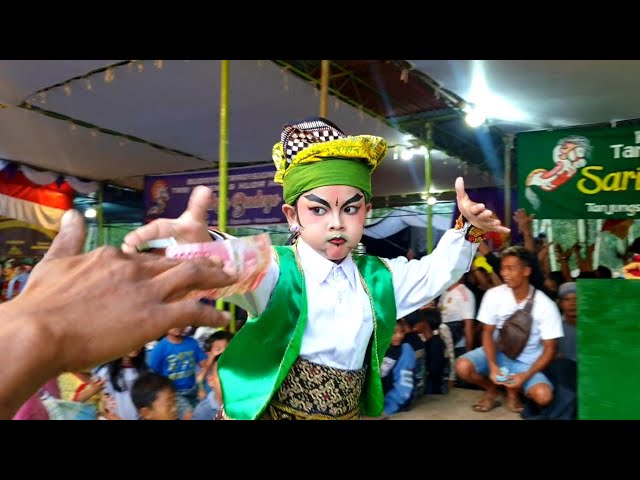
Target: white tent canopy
{"x": 174, "y": 104}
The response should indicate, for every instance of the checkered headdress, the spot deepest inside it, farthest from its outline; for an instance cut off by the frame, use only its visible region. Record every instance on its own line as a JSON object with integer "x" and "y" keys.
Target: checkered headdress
{"x": 300, "y": 135}
{"x": 317, "y": 140}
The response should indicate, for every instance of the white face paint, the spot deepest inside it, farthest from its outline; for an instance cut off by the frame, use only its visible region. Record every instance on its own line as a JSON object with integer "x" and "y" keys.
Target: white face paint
{"x": 331, "y": 219}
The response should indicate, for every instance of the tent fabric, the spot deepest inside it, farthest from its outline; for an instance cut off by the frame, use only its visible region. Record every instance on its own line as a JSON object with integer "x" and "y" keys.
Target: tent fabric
{"x": 125, "y": 117}
{"x": 39, "y": 177}
{"x": 400, "y": 218}
{"x": 45, "y": 177}
{"x": 81, "y": 186}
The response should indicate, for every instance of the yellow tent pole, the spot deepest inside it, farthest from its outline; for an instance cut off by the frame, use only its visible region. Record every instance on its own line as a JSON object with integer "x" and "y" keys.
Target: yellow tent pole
{"x": 223, "y": 159}
{"x": 324, "y": 87}
{"x": 224, "y": 143}
{"x": 232, "y": 310}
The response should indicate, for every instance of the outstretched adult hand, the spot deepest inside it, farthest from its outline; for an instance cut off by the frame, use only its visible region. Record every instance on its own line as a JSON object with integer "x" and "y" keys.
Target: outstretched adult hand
{"x": 476, "y": 213}
{"x": 80, "y": 310}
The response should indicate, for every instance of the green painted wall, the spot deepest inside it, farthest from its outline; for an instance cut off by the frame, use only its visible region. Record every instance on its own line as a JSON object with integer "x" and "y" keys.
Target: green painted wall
{"x": 609, "y": 349}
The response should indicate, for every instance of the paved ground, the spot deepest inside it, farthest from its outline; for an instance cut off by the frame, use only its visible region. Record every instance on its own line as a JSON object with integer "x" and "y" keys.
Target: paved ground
{"x": 456, "y": 405}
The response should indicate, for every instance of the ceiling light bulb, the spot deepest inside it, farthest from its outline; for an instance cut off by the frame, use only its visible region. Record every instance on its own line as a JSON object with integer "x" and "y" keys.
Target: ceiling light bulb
{"x": 475, "y": 118}
{"x": 406, "y": 155}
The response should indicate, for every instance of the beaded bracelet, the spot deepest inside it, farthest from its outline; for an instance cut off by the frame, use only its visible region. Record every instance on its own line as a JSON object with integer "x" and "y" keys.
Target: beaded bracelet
{"x": 471, "y": 233}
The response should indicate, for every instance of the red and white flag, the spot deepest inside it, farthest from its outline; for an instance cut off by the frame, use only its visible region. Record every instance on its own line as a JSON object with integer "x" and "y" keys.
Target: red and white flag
{"x": 41, "y": 205}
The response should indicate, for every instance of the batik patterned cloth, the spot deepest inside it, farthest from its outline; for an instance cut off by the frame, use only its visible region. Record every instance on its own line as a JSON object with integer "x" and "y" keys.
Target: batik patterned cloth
{"x": 311, "y": 391}
{"x": 316, "y": 392}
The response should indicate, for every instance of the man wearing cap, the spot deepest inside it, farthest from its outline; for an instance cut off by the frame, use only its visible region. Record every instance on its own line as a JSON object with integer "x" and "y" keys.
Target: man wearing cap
{"x": 321, "y": 321}
{"x": 568, "y": 305}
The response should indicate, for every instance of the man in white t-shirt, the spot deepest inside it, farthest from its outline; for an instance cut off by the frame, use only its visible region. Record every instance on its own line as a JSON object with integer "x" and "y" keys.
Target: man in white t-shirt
{"x": 482, "y": 365}
{"x": 458, "y": 308}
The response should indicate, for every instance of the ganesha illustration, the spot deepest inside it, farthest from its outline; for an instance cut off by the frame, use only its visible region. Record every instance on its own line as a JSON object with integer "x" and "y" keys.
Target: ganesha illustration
{"x": 569, "y": 155}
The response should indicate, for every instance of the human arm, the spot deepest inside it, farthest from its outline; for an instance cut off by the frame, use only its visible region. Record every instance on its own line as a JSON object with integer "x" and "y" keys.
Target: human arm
{"x": 81, "y": 310}
{"x": 156, "y": 357}
{"x": 585, "y": 264}
{"x": 468, "y": 313}
{"x": 191, "y": 227}
{"x": 495, "y": 279}
{"x": 109, "y": 407}
{"x": 468, "y": 334}
{"x": 88, "y": 390}
{"x": 524, "y": 225}
{"x": 416, "y": 282}
{"x": 449, "y": 352}
{"x": 487, "y": 316}
{"x": 490, "y": 350}
{"x": 563, "y": 257}
{"x": 493, "y": 261}
{"x": 543, "y": 259}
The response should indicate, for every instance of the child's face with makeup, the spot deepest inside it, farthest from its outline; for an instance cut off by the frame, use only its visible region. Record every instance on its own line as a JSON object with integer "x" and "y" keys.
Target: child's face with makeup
{"x": 331, "y": 219}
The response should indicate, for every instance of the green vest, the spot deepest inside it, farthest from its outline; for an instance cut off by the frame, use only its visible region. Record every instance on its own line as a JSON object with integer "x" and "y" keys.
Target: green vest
{"x": 259, "y": 357}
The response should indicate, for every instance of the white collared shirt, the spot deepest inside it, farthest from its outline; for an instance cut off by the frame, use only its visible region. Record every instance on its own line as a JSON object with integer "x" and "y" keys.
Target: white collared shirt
{"x": 499, "y": 303}
{"x": 340, "y": 320}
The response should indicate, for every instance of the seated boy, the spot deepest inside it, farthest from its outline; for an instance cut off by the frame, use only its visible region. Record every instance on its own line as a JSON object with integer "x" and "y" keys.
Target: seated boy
{"x": 154, "y": 396}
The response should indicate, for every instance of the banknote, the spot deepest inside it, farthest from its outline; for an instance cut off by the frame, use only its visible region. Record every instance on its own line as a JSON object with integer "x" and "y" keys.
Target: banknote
{"x": 250, "y": 255}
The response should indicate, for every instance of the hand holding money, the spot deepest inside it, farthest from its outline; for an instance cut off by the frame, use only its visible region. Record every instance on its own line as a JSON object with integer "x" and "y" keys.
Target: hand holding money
{"x": 249, "y": 256}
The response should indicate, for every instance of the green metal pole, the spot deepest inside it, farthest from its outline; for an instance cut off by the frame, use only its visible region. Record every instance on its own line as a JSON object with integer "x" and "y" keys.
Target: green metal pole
{"x": 100, "y": 214}
{"x": 427, "y": 172}
{"x": 508, "y": 146}
{"x": 222, "y": 161}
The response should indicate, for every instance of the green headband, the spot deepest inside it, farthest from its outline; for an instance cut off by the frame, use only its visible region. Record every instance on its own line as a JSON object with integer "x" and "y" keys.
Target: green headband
{"x": 329, "y": 171}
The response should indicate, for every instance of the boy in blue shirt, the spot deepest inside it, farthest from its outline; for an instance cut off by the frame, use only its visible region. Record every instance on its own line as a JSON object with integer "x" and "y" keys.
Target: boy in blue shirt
{"x": 176, "y": 357}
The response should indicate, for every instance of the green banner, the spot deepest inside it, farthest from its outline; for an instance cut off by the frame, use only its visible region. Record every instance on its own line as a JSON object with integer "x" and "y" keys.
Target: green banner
{"x": 580, "y": 172}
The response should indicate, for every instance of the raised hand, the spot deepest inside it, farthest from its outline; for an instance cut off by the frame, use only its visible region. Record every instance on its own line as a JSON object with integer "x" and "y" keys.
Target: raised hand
{"x": 523, "y": 220}
{"x": 585, "y": 264}
{"x": 576, "y": 248}
{"x": 543, "y": 253}
{"x": 190, "y": 227}
{"x": 563, "y": 255}
{"x": 476, "y": 213}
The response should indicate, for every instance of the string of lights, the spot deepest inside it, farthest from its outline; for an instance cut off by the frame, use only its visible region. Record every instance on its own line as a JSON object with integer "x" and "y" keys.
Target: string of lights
{"x": 86, "y": 81}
